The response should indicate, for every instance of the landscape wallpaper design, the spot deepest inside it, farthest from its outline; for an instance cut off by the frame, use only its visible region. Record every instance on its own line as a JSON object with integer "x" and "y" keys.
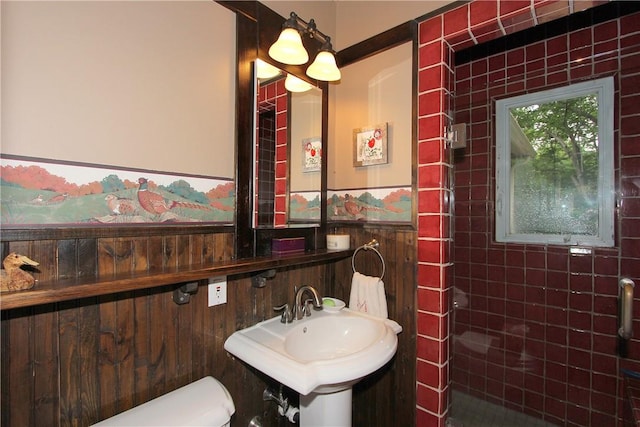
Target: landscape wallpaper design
{"x": 304, "y": 206}
{"x": 39, "y": 192}
{"x": 370, "y": 205}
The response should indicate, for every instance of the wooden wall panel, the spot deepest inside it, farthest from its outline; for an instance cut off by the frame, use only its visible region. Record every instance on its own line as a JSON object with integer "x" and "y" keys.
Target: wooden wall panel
{"x": 88, "y": 343}
{"x": 77, "y": 362}
{"x": 392, "y": 388}
{"x": 45, "y": 358}
{"x": 18, "y": 378}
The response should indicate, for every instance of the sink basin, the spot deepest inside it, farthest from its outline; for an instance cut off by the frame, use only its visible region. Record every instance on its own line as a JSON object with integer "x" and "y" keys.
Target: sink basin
{"x": 331, "y": 337}
{"x": 320, "y": 353}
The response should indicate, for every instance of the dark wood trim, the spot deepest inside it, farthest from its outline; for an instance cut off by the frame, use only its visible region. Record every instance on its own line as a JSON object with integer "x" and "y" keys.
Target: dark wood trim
{"x": 74, "y": 289}
{"x": 414, "y": 127}
{"x": 61, "y": 233}
{"x": 332, "y": 226}
{"x": 324, "y": 166}
{"x": 246, "y": 31}
{"x": 246, "y": 8}
{"x": 379, "y": 43}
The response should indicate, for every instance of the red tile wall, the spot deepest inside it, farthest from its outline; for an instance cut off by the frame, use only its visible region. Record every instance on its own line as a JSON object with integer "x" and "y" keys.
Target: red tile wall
{"x": 552, "y": 315}
{"x": 569, "y": 300}
{"x": 274, "y": 96}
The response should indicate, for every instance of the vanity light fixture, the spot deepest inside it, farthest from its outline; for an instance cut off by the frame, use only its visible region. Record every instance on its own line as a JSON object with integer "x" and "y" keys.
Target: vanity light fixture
{"x": 289, "y": 49}
{"x": 295, "y": 84}
{"x": 266, "y": 70}
{"x": 324, "y": 67}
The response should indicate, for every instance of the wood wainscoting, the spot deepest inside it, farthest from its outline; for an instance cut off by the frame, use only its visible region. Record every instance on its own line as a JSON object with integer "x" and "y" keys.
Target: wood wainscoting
{"x": 386, "y": 398}
{"x": 76, "y": 362}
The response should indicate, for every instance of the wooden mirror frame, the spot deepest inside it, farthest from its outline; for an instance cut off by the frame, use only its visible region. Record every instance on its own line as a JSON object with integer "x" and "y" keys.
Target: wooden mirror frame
{"x": 257, "y": 27}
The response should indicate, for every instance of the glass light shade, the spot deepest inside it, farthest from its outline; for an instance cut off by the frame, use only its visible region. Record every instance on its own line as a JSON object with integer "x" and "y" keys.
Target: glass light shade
{"x": 324, "y": 67}
{"x": 266, "y": 70}
{"x": 288, "y": 49}
{"x": 294, "y": 84}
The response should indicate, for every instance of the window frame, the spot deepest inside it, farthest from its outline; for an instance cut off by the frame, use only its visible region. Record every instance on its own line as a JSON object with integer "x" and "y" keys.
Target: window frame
{"x": 605, "y": 91}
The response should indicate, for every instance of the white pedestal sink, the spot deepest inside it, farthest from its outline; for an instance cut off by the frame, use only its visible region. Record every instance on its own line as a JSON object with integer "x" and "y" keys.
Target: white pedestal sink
{"x": 320, "y": 357}
{"x": 326, "y": 409}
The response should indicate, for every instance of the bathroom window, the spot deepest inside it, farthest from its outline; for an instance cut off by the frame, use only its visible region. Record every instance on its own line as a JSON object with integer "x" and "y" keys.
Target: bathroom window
{"x": 554, "y": 166}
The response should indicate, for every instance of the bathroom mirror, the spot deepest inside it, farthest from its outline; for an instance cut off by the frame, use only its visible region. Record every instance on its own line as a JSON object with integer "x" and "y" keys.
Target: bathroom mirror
{"x": 287, "y": 153}
{"x": 305, "y": 157}
{"x": 303, "y": 125}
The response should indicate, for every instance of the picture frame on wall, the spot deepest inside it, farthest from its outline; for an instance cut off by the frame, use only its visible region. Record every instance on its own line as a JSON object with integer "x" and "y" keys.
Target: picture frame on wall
{"x": 370, "y": 145}
{"x": 311, "y": 154}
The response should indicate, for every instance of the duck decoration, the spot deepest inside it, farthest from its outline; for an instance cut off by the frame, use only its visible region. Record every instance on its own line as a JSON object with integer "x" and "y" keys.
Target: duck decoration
{"x": 13, "y": 277}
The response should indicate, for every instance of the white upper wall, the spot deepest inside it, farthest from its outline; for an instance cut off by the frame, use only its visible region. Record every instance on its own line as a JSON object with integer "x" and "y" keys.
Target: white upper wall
{"x": 147, "y": 84}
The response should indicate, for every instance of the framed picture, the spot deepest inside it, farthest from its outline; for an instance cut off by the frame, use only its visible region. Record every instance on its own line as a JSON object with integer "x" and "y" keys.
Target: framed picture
{"x": 370, "y": 145}
{"x": 311, "y": 154}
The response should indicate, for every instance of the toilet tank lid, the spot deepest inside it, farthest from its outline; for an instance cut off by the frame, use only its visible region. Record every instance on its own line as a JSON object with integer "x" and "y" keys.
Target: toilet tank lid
{"x": 205, "y": 402}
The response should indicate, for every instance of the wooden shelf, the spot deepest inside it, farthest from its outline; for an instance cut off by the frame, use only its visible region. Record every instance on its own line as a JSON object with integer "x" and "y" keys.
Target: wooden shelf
{"x": 64, "y": 290}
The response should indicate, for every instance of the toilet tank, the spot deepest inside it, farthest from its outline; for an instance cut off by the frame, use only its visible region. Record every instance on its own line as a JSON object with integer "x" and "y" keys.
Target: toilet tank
{"x": 205, "y": 402}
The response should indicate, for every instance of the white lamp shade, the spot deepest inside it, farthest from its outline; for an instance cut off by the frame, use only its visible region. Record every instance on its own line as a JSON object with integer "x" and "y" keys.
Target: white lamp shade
{"x": 289, "y": 49}
{"x": 266, "y": 70}
{"x": 324, "y": 67}
{"x": 294, "y": 84}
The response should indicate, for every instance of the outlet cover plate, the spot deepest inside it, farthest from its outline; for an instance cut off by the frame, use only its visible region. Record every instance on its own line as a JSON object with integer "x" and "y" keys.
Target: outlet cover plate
{"x": 217, "y": 290}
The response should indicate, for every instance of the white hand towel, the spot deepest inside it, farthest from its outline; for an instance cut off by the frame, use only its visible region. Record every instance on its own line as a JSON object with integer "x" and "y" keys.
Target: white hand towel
{"x": 367, "y": 295}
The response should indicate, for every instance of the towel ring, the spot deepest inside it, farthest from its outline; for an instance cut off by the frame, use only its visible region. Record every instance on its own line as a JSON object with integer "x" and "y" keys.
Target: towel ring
{"x": 371, "y": 246}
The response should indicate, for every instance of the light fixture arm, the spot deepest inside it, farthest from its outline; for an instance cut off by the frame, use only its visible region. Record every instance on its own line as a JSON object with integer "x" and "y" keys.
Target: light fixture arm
{"x": 309, "y": 28}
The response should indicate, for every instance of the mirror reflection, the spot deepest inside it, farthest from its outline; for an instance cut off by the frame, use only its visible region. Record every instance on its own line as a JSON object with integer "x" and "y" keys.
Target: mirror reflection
{"x": 306, "y": 158}
{"x": 288, "y": 151}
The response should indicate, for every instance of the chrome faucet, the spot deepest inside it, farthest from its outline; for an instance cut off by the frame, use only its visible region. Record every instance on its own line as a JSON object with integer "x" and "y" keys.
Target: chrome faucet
{"x": 301, "y": 308}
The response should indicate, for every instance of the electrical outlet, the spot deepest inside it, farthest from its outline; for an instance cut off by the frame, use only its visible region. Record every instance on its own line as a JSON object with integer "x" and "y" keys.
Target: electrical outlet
{"x": 217, "y": 290}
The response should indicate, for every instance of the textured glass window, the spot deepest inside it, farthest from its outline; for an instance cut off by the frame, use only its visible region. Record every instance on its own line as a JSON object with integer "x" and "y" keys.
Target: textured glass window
{"x": 554, "y": 176}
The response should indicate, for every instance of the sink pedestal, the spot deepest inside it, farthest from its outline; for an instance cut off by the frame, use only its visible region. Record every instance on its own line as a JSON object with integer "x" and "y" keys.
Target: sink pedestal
{"x": 326, "y": 409}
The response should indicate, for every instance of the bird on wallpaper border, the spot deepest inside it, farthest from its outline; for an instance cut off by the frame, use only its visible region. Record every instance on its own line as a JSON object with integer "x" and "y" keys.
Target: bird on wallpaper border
{"x": 58, "y": 198}
{"x": 14, "y": 278}
{"x": 156, "y": 204}
{"x": 352, "y": 207}
{"x": 119, "y": 205}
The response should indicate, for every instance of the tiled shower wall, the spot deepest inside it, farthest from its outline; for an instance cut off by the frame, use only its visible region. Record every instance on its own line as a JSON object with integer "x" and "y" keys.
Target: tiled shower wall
{"x": 439, "y": 38}
{"x": 535, "y": 328}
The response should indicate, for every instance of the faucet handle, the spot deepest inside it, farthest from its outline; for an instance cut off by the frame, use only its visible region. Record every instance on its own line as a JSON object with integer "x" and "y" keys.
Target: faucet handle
{"x": 306, "y": 309}
{"x": 287, "y": 315}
